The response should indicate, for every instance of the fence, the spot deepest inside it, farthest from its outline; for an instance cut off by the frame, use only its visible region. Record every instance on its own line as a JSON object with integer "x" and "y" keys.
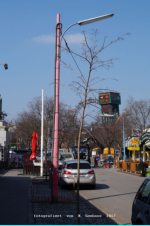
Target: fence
{"x": 133, "y": 166}
{"x": 30, "y": 169}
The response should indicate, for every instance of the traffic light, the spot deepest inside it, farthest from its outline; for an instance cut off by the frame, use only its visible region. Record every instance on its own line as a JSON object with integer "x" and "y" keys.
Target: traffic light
{"x": 6, "y": 66}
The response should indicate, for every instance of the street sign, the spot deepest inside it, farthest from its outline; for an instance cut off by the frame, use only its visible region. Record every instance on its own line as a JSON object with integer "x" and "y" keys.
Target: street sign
{"x": 97, "y": 159}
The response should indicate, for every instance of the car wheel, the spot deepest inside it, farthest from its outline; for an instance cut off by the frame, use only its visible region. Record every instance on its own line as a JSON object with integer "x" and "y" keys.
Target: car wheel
{"x": 93, "y": 186}
{"x": 139, "y": 222}
{"x": 62, "y": 186}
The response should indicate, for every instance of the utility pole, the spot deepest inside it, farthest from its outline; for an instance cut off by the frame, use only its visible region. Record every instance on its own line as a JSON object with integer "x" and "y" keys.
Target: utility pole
{"x": 124, "y": 141}
{"x": 56, "y": 125}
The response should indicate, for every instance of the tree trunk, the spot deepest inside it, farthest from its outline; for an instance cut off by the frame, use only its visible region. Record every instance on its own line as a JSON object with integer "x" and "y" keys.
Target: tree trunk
{"x": 79, "y": 139}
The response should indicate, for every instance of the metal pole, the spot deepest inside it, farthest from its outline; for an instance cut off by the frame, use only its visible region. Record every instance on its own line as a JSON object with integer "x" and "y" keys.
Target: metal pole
{"x": 124, "y": 140}
{"x": 56, "y": 128}
{"x": 42, "y": 124}
{"x": 49, "y": 137}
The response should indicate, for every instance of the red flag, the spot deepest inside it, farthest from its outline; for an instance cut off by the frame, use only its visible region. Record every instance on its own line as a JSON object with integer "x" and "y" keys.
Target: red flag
{"x": 34, "y": 146}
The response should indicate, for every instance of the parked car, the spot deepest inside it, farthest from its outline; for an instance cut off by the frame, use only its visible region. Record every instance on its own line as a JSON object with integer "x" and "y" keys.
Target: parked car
{"x": 141, "y": 204}
{"x": 109, "y": 160}
{"x": 65, "y": 157}
{"x": 105, "y": 158}
{"x": 68, "y": 173}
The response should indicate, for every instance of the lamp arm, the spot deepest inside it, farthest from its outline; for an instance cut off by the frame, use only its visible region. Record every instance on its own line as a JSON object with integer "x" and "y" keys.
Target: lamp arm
{"x": 65, "y": 32}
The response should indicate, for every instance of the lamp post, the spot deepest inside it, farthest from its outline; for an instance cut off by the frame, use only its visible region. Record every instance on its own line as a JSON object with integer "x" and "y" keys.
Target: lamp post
{"x": 124, "y": 141}
{"x": 123, "y": 115}
{"x": 5, "y": 65}
{"x": 124, "y": 144}
{"x": 56, "y": 96}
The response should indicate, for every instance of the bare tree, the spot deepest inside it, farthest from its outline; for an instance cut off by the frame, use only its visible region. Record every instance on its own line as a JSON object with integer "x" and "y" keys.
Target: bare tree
{"x": 139, "y": 113}
{"x": 84, "y": 83}
{"x": 30, "y": 120}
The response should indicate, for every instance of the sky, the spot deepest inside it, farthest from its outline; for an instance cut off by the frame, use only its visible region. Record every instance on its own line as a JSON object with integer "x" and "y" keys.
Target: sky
{"x": 27, "y": 44}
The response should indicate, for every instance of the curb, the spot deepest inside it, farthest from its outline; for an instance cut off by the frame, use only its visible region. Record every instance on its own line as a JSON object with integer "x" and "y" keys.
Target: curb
{"x": 129, "y": 173}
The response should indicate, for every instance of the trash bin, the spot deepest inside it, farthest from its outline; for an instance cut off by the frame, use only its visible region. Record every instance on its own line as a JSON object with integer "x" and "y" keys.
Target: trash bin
{"x": 147, "y": 172}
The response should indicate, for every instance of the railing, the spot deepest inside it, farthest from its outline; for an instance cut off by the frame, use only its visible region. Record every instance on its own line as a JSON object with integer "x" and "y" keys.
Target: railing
{"x": 132, "y": 166}
{"x": 30, "y": 169}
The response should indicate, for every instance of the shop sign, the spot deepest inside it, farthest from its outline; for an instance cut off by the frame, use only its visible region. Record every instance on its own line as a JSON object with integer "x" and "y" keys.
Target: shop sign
{"x": 134, "y": 142}
{"x": 133, "y": 148}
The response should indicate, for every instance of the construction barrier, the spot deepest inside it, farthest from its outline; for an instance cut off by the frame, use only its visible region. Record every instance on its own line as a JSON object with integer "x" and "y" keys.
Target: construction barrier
{"x": 133, "y": 166}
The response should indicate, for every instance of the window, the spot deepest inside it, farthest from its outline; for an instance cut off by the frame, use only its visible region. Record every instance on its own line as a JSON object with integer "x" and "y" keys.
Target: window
{"x": 144, "y": 191}
{"x": 83, "y": 150}
{"x": 82, "y": 166}
{"x": 66, "y": 156}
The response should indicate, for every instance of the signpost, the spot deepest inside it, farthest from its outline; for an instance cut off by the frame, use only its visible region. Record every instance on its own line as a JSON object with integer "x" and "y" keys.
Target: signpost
{"x": 97, "y": 158}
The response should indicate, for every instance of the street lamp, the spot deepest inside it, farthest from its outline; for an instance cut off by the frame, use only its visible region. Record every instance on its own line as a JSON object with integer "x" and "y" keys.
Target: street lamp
{"x": 95, "y": 19}
{"x": 56, "y": 96}
{"x": 5, "y": 65}
{"x": 106, "y": 116}
{"x": 123, "y": 115}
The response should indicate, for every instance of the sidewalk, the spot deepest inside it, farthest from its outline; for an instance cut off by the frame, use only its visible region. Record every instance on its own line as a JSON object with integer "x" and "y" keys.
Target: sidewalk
{"x": 13, "y": 197}
{"x": 61, "y": 213}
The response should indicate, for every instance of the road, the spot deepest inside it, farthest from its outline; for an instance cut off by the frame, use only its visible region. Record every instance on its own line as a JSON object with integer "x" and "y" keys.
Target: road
{"x": 114, "y": 193}
{"x": 13, "y": 197}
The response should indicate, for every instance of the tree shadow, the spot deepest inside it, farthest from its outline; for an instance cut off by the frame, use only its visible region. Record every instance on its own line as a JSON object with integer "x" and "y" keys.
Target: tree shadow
{"x": 4, "y": 171}
{"x": 65, "y": 213}
{"x": 87, "y": 187}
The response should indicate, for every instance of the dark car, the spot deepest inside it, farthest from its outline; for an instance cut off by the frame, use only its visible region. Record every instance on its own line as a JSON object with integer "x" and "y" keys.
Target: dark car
{"x": 141, "y": 204}
{"x": 84, "y": 152}
{"x": 109, "y": 160}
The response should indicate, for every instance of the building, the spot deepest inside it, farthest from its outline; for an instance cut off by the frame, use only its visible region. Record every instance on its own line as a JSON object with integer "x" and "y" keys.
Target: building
{"x": 4, "y": 141}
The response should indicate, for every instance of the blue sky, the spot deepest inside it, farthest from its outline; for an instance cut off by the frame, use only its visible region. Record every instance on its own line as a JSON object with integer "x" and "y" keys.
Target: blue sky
{"x": 27, "y": 45}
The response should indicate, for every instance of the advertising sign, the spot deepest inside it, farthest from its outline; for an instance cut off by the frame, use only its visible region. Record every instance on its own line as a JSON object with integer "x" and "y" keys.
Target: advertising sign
{"x": 93, "y": 153}
{"x": 104, "y": 99}
{"x": 134, "y": 142}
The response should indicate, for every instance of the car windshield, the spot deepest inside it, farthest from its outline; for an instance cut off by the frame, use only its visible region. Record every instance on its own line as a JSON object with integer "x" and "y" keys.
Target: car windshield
{"x": 82, "y": 166}
{"x": 65, "y": 156}
{"x": 82, "y": 150}
{"x": 111, "y": 158}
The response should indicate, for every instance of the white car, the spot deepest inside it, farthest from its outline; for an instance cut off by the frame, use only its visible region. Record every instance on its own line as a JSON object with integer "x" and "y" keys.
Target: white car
{"x": 65, "y": 157}
{"x": 68, "y": 173}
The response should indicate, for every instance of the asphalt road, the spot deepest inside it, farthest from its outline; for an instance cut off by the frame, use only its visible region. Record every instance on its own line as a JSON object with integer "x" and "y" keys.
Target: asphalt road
{"x": 114, "y": 193}
{"x": 13, "y": 197}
